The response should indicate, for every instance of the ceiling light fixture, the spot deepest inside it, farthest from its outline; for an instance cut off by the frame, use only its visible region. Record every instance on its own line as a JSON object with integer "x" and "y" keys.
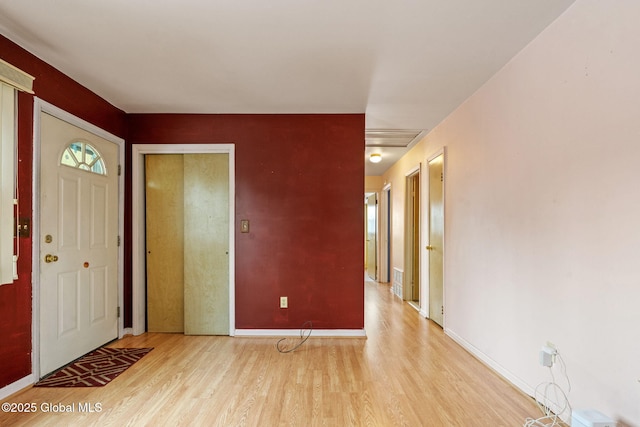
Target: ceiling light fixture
{"x": 375, "y": 158}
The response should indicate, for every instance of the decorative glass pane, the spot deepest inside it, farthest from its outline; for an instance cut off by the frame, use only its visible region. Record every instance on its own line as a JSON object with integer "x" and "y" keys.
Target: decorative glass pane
{"x": 81, "y": 155}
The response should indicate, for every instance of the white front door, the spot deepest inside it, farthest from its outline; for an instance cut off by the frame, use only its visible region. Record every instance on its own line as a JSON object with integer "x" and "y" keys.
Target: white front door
{"x": 78, "y": 242}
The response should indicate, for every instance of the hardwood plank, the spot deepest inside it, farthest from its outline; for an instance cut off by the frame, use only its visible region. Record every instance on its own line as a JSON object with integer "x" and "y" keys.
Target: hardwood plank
{"x": 406, "y": 373}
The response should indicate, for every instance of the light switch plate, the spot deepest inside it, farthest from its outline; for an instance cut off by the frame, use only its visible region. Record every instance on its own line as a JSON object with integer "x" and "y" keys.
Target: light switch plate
{"x": 244, "y": 226}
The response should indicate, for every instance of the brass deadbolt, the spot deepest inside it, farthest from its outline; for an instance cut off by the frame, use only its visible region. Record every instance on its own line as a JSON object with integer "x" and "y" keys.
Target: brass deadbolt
{"x": 50, "y": 258}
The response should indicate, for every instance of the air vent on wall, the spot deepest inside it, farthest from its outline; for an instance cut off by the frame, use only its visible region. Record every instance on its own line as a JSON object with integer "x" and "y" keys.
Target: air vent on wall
{"x": 391, "y": 137}
{"x": 15, "y": 77}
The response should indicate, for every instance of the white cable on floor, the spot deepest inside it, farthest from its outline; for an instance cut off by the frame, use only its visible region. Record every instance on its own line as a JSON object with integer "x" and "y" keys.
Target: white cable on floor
{"x": 542, "y": 395}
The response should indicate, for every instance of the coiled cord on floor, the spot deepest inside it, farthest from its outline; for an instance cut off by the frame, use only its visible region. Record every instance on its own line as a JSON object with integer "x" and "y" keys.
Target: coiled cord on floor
{"x": 550, "y": 395}
{"x": 303, "y": 338}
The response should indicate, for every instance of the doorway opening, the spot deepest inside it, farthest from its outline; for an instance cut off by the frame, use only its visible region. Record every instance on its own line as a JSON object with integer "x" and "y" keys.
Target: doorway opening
{"x": 139, "y": 151}
{"x": 187, "y": 223}
{"x": 412, "y": 239}
{"x": 371, "y": 244}
{"x": 385, "y": 232}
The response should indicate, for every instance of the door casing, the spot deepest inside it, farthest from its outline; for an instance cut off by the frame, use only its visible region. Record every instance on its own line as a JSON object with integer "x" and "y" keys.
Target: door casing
{"x": 40, "y": 106}
{"x": 138, "y": 223}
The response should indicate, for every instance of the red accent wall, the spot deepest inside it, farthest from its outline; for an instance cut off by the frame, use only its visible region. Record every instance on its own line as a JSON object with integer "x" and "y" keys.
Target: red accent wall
{"x": 58, "y": 89}
{"x": 299, "y": 181}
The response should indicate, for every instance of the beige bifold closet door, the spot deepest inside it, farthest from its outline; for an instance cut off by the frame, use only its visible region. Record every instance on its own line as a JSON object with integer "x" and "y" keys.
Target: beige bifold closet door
{"x": 187, "y": 229}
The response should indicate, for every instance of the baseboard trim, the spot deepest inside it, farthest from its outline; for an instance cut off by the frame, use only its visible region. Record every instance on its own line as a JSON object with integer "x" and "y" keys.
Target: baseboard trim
{"x": 328, "y": 333}
{"x": 506, "y": 374}
{"x": 16, "y": 386}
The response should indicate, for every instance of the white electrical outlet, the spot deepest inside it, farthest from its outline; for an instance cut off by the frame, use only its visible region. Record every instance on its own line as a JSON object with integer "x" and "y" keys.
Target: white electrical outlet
{"x": 284, "y": 302}
{"x": 546, "y": 356}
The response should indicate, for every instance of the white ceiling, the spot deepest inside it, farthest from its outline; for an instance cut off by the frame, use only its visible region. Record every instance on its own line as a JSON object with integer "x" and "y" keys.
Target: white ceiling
{"x": 406, "y": 64}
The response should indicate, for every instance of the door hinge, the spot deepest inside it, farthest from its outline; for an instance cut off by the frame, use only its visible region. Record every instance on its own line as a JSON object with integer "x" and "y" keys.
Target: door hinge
{"x": 118, "y": 313}
{"x": 118, "y": 240}
{"x": 441, "y": 176}
{"x": 443, "y": 310}
{"x": 119, "y": 170}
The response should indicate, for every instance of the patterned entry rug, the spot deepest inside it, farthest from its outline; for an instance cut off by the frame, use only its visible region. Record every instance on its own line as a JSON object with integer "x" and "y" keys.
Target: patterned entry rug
{"x": 95, "y": 369}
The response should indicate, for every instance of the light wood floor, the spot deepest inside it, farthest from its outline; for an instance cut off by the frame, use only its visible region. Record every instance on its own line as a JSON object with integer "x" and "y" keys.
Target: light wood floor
{"x": 406, "y": 373}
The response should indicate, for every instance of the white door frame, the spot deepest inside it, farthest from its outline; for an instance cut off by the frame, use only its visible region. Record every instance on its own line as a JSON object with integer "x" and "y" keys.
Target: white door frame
{"x": 40, "y": 106}
{"x": 138, "y": 236}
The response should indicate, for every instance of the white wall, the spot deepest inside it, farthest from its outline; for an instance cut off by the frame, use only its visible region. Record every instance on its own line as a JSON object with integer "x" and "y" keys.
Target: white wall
{"x": 543, "y": 209}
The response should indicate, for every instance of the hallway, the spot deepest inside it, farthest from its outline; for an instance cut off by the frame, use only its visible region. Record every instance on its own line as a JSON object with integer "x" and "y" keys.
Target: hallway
{"x": 406, "y": 372}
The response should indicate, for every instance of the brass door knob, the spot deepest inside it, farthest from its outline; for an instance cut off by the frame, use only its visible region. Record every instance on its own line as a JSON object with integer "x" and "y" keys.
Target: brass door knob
{"x": 50, "y": 258}
{"x": 429, "y": 248}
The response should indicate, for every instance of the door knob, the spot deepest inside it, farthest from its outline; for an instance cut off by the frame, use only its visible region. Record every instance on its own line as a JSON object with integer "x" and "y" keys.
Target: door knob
{"x": 50, "y": 258}
{"x": 429, "y": 248}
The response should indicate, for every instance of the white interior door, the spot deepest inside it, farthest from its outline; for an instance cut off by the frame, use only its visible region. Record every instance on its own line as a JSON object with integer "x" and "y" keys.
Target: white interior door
{"x": 78, "y": 242}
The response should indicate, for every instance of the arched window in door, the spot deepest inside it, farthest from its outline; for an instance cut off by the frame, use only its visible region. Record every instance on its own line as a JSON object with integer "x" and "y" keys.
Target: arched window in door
{"x": 81, "y": 155}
